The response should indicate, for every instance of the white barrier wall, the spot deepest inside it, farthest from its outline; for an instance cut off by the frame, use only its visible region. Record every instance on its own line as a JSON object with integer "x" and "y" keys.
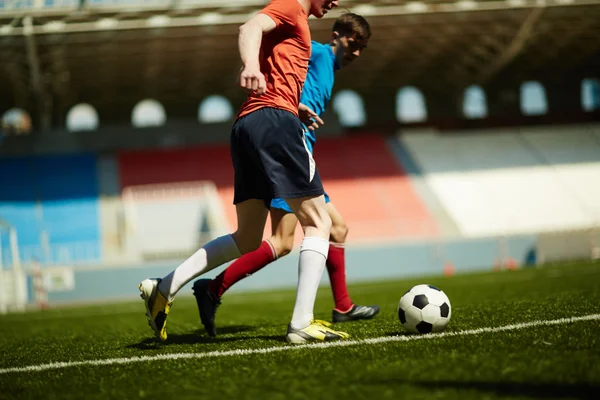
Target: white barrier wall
{"x": 512, "y": 181}
{"x": 168, "y": 220}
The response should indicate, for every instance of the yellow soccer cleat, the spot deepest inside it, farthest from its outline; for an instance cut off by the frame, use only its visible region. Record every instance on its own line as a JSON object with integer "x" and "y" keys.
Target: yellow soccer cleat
{"x": 157, "y": 307}
{"x": 317, "y": 331}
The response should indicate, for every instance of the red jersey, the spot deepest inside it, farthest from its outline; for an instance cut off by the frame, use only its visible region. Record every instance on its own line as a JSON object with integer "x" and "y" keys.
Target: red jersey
{"x": 284, "y": 55}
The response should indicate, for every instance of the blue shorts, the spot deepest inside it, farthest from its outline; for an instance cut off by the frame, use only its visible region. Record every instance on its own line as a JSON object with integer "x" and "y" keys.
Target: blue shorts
{"x": 280, "y": 204}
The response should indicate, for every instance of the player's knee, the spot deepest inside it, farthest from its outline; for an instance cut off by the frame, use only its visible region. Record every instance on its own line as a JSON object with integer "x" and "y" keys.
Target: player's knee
{"x": 314, "y": 215}
{"x": 339, "y": 232}
{"x": 286, "y": 247}
{"x": 284, "y": 250}
{"x": 282, "y": 247}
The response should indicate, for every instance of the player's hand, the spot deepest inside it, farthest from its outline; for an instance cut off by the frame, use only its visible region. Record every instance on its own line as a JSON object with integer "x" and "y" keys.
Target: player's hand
{"x": 253, "y": 80}
{"x": 309, "y": 117}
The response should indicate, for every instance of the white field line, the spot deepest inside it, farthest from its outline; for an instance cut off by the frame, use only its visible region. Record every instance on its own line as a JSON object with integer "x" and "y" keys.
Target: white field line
{"x": 322, "y": 345}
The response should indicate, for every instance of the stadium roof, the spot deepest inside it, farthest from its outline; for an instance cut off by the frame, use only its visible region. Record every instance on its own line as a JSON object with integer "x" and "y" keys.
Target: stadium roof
{"x": 54, "y": 54}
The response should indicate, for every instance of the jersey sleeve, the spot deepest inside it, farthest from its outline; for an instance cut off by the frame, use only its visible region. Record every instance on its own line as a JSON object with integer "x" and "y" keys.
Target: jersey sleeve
{"x": 283, "y": 12}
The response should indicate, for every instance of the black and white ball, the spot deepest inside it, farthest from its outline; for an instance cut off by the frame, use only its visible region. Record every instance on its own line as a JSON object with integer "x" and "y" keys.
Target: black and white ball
{"x": 424, "y": 309}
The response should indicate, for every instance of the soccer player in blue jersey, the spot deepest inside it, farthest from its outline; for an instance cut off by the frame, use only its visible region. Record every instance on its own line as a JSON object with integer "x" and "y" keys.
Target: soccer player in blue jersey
{"x": 349, "y": 38}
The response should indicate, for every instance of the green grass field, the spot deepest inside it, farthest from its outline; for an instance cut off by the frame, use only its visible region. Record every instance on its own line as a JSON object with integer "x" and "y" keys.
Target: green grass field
{"x": 560, "y": 361}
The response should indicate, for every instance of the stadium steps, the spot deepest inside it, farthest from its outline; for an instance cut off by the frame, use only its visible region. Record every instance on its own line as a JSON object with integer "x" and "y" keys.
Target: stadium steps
{"x": 514, "y": 180}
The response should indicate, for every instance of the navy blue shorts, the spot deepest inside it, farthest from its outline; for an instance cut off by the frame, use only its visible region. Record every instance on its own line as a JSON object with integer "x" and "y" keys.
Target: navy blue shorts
{"x": 270, "y": 158}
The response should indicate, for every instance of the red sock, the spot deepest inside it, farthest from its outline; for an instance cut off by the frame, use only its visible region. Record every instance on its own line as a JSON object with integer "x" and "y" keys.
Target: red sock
{"x": 336, "y": 267}
{"x": 242, "y": 267}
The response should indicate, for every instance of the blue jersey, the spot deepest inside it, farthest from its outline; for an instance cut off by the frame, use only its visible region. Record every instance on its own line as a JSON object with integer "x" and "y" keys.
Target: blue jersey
{"x": 316, "y": 94}
{"x": 318, "y": 85}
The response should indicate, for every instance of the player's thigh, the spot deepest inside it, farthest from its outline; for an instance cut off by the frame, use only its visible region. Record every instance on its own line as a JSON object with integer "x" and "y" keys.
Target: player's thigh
{"x": 312, "y": 214}
{"x": 339, "y": 229}
{"x": 283, "y": 228}
{"x": 251, "y": 218}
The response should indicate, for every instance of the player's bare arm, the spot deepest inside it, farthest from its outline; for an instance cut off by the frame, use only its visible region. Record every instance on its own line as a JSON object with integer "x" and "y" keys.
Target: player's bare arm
{"x": 309, "y": 118}
{"x": 249, "y": 40}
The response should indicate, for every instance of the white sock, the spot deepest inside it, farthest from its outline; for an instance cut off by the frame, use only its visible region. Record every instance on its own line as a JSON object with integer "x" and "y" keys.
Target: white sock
{"x": 214, "y": 253}
{"x": 313, "y": 254}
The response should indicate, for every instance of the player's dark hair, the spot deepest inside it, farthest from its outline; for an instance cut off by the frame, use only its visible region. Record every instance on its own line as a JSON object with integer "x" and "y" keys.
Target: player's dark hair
{"x": 350, "y": 24}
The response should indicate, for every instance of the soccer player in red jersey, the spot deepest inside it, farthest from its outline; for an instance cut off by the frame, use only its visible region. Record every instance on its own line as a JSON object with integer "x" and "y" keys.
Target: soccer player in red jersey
{"x": 270, "y": 161}
{"x": 349, "y": 37}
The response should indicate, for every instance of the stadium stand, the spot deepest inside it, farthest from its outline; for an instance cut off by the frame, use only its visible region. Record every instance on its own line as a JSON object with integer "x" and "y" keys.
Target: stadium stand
{"x": 20, "y": 5}
{"x": 180, "y": 53}
{"x": 372, "y": 190}
{"x": 368, "y": 186}
{"x": 512, "y": 181}
{"x": 52, "y": 203}
{"x": 207, "y": 163}
{"x": 574, "y": 154}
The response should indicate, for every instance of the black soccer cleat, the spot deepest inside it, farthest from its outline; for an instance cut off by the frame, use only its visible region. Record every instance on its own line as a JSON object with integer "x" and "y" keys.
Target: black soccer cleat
{"x": 207, "y": 305}
{"x": 356, "y": 313}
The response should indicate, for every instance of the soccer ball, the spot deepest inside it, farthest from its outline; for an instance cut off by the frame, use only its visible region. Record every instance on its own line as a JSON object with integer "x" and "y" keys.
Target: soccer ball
{"x": 424, "y": 309}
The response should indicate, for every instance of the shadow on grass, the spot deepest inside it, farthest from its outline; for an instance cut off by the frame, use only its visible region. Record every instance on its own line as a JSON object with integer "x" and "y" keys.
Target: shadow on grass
{"x": 196, "y": 337}
{"x": 227, "y": 330}
{"x": 200, "y": 337}
{"x": 548, "y": 390}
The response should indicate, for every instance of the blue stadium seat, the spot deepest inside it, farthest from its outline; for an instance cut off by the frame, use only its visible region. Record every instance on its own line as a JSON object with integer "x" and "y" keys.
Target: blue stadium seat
{"x": 56, "y": 196}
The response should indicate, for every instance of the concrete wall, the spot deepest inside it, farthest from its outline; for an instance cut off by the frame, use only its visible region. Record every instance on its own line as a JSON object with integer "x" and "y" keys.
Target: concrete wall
{"x": 391, "y": 261}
